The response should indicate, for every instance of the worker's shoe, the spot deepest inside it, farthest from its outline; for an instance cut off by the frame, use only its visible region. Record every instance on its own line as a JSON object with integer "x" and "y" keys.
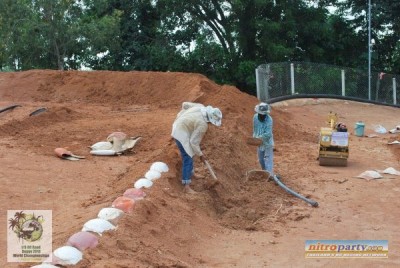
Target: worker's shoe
{"x": 188, "y": 190}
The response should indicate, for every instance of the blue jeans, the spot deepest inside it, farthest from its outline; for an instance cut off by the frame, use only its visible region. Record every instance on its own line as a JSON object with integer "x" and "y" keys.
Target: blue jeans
{"x": 187, "y": 164}
{"x": 266, "y": 159}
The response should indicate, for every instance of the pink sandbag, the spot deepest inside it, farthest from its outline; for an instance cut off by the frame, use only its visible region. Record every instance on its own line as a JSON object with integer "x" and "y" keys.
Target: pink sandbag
{"x": 124, "y": 203}
{"x": 135, "y": 194}
{"x": 83, "y": 240}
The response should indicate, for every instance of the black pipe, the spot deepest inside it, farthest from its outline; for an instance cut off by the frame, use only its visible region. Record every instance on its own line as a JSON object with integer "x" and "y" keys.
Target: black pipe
{"x": 327, "y": 96}
{"x": 287, "y": 189}
{"x": 38, "y": 111}
{"x": 10, "y": 107}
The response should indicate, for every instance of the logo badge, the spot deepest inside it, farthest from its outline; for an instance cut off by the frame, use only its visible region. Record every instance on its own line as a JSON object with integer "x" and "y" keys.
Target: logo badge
{"x": 29, "y": 235}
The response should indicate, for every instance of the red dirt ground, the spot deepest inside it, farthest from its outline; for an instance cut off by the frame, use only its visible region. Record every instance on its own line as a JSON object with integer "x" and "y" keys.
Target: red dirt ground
{"x": 238, "y": 222}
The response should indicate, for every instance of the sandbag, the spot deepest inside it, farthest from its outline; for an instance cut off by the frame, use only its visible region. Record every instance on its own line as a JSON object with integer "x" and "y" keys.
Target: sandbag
{"x": 103, "y": 152}
{"x": 97, "y": 226}
{"x": 160, "y": 167}
{"x": 101, "y": 145}
{"x": 110, "y": 214}
{"x": 124, "y": 203}
{"x": 152, "y": 175}
{"x": 68, "y": 255}
{"x": 83, "y": 240}
{"x": 143, "y": 183}
{"x": 135, "y": 194}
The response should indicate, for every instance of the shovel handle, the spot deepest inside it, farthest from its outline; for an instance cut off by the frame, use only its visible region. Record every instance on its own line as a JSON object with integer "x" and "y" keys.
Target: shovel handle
{"x": 210, "y": 169}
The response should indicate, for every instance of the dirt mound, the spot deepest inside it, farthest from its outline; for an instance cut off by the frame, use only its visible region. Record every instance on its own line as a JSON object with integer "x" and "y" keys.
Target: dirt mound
{"x": 104, "y": 87}
{"x": 167, "y": 228}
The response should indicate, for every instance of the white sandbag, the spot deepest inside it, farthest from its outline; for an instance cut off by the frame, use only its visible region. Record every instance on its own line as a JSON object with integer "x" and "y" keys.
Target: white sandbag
{"x": 103, "y": 152}
{"x": 97, "y": 226}
{"x": 394, "y": 142}
{"x": 159, "y": 166}
{"x": 101, "y": 145}
{"x": 68, "y": 255}
{"x": 370, "y": 175}
{"x": 45, "y": 265}
{"x": 110, "y": 214}
{"x": 152, "y": 175}
{"x": 143, "y": 183}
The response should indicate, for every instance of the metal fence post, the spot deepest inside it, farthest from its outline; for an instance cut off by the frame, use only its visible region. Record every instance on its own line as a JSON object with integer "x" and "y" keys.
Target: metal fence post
{"x": 292, "y": 78}
{"x": 267, "y": 75}
{"x": 258, "y": 83}
{"x": 394, "y": 91}
{"x": 262, "y": 84}
{"x": 343, "y": 83}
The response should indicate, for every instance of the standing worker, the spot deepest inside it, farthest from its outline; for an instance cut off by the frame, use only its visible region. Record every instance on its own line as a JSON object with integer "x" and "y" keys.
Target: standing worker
{"x": 262, "y": 129}
{"x": 188, "y": 130}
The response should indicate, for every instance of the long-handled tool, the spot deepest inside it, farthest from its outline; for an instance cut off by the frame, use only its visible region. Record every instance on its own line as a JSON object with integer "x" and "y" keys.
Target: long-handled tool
{"x": 287, "y": 189}
{"x": 210, "y": 169}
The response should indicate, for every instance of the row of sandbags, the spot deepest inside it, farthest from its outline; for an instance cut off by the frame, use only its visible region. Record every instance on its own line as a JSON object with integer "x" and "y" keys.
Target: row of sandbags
{"x": 107, "y": 219}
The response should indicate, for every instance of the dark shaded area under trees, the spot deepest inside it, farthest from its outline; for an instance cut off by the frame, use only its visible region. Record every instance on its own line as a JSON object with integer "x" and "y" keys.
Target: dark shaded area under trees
{"x": 224, "y": 40}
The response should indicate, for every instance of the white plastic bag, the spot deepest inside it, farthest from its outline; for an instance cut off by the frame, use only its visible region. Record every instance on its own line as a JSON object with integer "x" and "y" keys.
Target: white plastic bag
{"x": 370, "y": 175}
{"x": 380, "y": 129}
{"x": 390, "y": 171}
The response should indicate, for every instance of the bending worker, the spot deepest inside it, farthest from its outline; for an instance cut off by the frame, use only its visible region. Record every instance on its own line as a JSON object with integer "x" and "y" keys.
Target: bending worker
{"x": 188, "y": 130}
{"x": 262, "y": 129}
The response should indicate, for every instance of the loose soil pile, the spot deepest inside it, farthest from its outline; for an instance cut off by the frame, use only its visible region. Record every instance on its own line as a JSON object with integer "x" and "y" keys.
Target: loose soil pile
{"x": 242, "y": 221}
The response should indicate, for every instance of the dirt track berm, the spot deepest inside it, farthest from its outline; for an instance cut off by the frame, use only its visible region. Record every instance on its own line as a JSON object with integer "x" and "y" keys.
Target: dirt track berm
{"x": 333, "y": 143}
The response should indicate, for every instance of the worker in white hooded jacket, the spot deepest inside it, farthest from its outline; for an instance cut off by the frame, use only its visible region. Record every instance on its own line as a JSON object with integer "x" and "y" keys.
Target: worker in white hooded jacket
{"x": 188, "y": 130}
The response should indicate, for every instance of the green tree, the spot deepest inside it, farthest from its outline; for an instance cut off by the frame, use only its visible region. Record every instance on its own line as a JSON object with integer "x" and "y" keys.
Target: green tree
{"x": 385, "y": 29}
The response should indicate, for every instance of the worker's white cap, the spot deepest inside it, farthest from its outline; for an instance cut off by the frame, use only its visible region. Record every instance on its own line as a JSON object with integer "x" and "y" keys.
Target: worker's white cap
{"x": 262, "y": 108}
{"x": 214, "y": 115}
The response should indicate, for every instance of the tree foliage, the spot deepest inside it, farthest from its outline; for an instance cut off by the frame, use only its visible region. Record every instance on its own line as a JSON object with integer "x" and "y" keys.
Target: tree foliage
{"x": 224, "y": 40}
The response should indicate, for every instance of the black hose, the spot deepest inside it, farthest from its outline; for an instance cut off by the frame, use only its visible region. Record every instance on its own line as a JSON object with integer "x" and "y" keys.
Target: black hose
{"x": 327, "y": 96}
{"x": 287, "y": 189}
{"x": 10, "y": 107}
{"x": 38, "y": 111}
